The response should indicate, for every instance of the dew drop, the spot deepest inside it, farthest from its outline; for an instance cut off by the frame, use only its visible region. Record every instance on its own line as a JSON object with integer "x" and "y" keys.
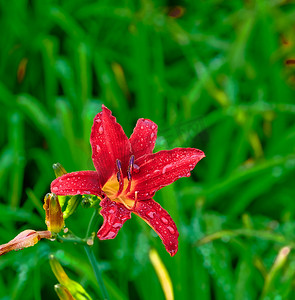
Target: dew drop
{"x": 151, "y": 214}
{"x": 188, "y": 174}
{"x": 54, "y": 189}
{"x": 117, "y": 225}
{"x": 87, "y": 192}
{"x": 141, "y": 127}
{"x": 100, "y": 130}
{"x": 97, "y": 148}
{"x": 152, "y": 135}
{"x": 164, "y": 220}
{"x": 172, "y": 231}
{"x": 153, "y": 127}
{"x": 98, "y": 120}
{"x": 111, "y": 211}
{"x": 110, "y": 235}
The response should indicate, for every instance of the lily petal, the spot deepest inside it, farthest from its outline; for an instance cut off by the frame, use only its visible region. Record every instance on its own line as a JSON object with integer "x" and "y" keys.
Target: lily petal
{"x": 158, "y": 218}
{"x": 109, "y": 143}
{"x": 114, "y": 215}
{"x": 162, "y": 168}
{"x": 144, "y": 137}
{"x": 84, "y": 182}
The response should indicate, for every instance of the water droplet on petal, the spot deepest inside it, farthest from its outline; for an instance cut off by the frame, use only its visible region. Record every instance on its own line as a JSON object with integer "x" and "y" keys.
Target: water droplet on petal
{"x": 152, "y": 135}
{"x": 172, "y": 231}
{"x": 111, "y": 211}
{"x": 151, "y": 214}
{"x": 87, "y": 192}
{"x": 117, "y": 225}
{"x": 188, "y": 174}
{"x": 100, "y": 130}
{"x": 98, "y": 120}
{"x": 54, "y": 189}
{"x": 78, "y": 191}
{"x": 153, "y": 127}
{"x": 110, "y": 235}
{"x": 97, "y": 148}
{"x": 141, "y": 127}
{"x": 164, "y": 220}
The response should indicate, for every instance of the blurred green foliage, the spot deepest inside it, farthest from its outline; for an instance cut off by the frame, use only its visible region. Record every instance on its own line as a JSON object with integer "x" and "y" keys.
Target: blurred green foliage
{"x": 213, "y": 75}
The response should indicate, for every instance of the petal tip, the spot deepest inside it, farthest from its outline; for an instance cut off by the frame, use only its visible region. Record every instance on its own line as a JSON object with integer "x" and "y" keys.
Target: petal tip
{"x": 173, "y": 252}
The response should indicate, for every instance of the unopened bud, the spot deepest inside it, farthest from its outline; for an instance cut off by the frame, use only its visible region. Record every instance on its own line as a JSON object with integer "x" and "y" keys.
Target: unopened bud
{"x": 63, "y": 293}
{"x": 72, "y": 205}
{"x": 68, "y": 287}
{"x": 54, "y": 216}
{"x": 59, "y": 170}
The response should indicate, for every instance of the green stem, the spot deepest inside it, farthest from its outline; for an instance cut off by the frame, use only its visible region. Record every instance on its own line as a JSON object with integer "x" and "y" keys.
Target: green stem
{"x": 90, "y": 225}
{"x": 92, "y": 258}
{"x": 97, "y": 272}
{"x": 71, "y": 240}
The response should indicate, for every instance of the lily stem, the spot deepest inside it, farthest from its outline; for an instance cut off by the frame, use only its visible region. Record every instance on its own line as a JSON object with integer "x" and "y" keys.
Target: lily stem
{"x": 93, "y": 260}
{"x": 97, "y": 272}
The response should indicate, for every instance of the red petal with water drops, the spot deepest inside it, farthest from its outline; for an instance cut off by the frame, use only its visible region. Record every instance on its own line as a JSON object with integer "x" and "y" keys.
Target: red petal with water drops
{"x": 160, "y": 221}
{"x": 114, "y": 216}
{"x": 144, "y": 137}
{"x": 109, "y": 143}
{"x": 84, "y": 182}
{"x": 162, "y": 168}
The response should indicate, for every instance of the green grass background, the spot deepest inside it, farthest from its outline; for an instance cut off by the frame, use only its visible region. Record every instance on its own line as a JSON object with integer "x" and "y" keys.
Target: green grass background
{"x": 215, "y": 78}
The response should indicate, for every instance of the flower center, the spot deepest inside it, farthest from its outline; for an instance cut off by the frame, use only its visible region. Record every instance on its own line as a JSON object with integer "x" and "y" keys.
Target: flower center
{"x": 118, "y": 186}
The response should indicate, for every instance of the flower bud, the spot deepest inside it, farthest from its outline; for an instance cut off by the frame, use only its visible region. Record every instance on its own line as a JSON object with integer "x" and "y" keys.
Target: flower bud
{"x": 54, "y": 216}
{"x": 68, "y": 288}
{"x": 59, "y": 170}
{"x": 73, "y": 203}
{"x": 63, "y": 293}
{"x": 27, "y": 238}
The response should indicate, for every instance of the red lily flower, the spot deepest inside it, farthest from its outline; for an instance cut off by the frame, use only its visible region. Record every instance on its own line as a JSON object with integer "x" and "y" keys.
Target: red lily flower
{"x": 127, "y": 176}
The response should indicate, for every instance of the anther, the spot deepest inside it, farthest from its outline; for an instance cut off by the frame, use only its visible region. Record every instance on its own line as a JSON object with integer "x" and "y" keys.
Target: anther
{"x": 129, "y": 172}
{"x": 131, "y": 161}
{"x": 128, "y": 175}
{"x": 118, "y": 162}
{"x": 118, "y": 176}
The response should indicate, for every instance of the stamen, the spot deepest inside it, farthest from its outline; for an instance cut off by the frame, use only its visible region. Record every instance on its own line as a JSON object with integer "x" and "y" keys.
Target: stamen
{"x": 135, "y": 200}
{"x": 129, "y": 173}
{"x": 119, "y": 166}
{"x": 120, "y": 177}
{"x": 131, "y": 161}
{"x": 129, "y": 176}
